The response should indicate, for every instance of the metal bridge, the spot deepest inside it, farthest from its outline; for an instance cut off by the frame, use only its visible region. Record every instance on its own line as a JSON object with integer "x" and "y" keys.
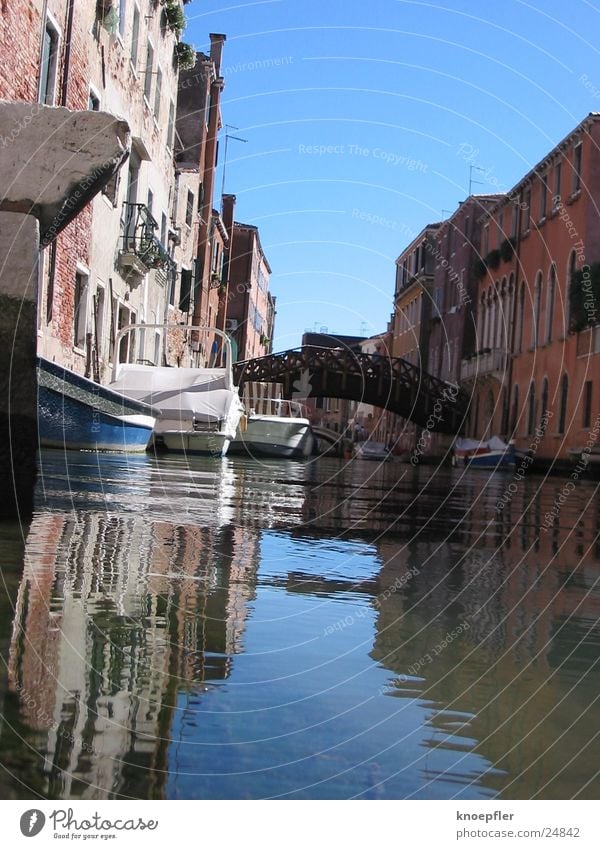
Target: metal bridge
{"x": 390, "y": 383}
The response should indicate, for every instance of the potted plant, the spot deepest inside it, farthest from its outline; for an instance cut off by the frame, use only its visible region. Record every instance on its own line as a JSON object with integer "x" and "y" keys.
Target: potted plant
{"x": 174, "y": 16}
{"x": 185, "y": 55}
{"x": 507, "y": 249}
{"x": 492, "y": 260}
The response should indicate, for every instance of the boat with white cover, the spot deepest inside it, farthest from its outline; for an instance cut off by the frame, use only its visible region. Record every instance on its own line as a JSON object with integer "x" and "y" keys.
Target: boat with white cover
{"x": 200, "y": 408}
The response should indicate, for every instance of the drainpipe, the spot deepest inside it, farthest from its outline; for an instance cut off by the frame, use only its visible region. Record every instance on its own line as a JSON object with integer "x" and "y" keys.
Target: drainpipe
{"x": 67, "y": 62}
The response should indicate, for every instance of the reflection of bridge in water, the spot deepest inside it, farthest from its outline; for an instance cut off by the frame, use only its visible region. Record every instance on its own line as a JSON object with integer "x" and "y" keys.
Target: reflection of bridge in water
{"x": 388, "y": 382}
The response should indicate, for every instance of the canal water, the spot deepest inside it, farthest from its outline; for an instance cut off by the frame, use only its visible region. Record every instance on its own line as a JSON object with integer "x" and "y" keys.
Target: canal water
{"x": 238, "y": 629}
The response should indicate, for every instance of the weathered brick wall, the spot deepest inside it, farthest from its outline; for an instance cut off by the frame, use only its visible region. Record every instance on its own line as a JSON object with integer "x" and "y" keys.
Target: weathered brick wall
{"x": 20, "y": 26}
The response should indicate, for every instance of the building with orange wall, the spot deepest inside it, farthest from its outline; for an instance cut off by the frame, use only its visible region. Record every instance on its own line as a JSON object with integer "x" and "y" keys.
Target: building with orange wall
{"x": 534, "y": 365}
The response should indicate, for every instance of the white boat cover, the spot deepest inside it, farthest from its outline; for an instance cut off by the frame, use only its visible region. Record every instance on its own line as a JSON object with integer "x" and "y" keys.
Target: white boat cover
{"x": 492, "y": 444}
{"x": 201, "y": 393}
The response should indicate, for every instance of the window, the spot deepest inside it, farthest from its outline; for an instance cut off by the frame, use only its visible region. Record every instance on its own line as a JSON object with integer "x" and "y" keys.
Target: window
{"x": 135, "y": 37}
{"x": 156, "y": 347}
{"x": 526, "y": 211}
{"x": 93, "y": 101}
{"x": 49, "y": 66}
{"x": 537, "y": 302}
{"x": 122, "y": 15}
{"x": 543, "y": 195}
{"x": 80, "y": 309}
{"x": 515, "y": 410}
{"x": 544, "y": 401}
{"x": 485, "y": 240}
{"x": 150, "y": 203}
{"x": 550, "y": 302}
{"x": 500, "y": 230}
{"x": 467, "y": 229}
{"x": 577, "y": 167}
{"x": 557, "y": 179}
{"x": 99, "y": 302}
{"x": 163, "y": 229}
{"x": 587, "y": 404}
{"x": 531, "y": 410}
{"x": 514, "y": 220}
{"x": 148, "y": 72}
{"x": 572, "y": 268}
{"x": 185, "y": 290}
{"x": 564, "y": 393}
{"x": 189, "y": 209}
{"x": 158, "y": 94}
{"x": 171, "y": 127}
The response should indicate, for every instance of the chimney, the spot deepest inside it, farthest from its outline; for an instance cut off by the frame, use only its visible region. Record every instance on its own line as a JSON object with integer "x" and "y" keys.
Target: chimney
{"x": 217, "y": 40}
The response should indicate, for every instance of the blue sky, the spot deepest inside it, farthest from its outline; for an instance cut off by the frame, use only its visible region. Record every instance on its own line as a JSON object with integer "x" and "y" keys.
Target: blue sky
{"x": 361, "y": 121}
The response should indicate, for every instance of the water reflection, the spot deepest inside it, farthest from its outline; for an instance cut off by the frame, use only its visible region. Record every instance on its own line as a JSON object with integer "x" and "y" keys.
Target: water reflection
{"x": 240, "y": 630}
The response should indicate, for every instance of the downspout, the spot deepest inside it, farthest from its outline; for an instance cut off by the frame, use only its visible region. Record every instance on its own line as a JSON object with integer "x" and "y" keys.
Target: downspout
{"x": 67, "y": 61}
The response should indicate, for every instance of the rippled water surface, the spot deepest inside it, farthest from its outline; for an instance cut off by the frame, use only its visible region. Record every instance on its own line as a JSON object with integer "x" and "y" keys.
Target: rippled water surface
{"x": 239, "y": 629}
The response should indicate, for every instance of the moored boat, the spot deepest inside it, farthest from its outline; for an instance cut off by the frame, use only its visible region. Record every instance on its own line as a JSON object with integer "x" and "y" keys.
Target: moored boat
{"x": 372, "y": 451}
{"x": 200, "y": 408}
{"x": 492, "y": 453}
{"x": 76, "y": 413}
{"x": 282, "y": 431}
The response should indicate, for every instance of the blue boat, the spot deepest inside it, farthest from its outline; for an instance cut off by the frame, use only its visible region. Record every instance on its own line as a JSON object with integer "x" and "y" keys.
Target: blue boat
{"x": 484, "y": 454}
{"x": 76, "y": 413}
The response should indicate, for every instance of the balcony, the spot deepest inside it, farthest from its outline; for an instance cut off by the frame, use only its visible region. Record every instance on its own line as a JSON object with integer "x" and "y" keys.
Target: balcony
{"x": 489, "y": 363}
{"x": 141, "y": 250}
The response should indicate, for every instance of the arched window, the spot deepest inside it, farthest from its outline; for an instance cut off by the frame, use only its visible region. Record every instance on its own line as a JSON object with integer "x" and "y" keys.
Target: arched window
{"x": 518, "y": 342}
{"x": 489, "y": 413}
{"x": 544, "y": 400}
{"x": 571, "y": 269}
{"x": 531, "y": 409}
{"x": 564, "y": 395}
{"x": 550, "y": 302}
{"x": 514, "y": 416}
{"x": 537, "y": 303}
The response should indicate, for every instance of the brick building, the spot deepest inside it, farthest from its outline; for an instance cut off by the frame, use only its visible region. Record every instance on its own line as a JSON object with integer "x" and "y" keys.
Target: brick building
{"x": 250, "y": 314}
{"x": 534, "y": 364}
{"x": 138, "y": 252}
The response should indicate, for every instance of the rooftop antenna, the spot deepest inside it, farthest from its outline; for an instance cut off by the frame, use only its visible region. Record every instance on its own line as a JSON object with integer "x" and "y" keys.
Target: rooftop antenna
{"x": 227, "y": 137}
{"x": 471, "y": 180}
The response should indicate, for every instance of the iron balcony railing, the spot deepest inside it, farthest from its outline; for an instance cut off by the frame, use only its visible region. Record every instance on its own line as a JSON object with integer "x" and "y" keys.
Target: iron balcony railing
{"x": 139, "y": 237}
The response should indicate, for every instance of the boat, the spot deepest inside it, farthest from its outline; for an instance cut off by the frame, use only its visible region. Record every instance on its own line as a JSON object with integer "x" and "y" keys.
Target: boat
{"x": 492, "y": 453}
{"x": 281, "y": 431}
{"x": 200, "y": 408}
{"x": 79, "y": 414}
{"x": 369, "y": 450}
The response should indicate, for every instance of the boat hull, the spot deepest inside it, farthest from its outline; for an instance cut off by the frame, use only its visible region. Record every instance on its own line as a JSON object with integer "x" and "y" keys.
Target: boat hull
{"x": 275, "y": 436}
{"x": 77, "y": 414}
{"x": 194, "y": 442}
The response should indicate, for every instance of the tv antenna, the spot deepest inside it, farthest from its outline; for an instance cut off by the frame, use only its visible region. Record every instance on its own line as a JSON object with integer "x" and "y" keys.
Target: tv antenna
{"x": 227, "y": 137}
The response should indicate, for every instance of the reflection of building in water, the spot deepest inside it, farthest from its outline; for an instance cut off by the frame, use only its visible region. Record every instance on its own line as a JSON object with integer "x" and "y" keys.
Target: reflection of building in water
{"x": 500, "y": 645}
{"x": 115, "y": 615}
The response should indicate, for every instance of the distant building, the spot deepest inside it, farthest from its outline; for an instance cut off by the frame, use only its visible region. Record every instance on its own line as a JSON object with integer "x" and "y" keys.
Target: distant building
{"x": 250, "y": 313}
{"x": 415, "y": 269}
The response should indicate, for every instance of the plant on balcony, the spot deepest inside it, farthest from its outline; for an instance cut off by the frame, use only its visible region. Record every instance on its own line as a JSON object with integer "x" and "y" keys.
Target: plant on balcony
{"x": 174, "y": 16}
{"x": 492, "y": 260}
{"x": 584, "y": 298}
{"x": 507, "y": 249}
{"x": 185, "y": 55}
{"x": 108, "y": 15}
{"x": 264, "y": 340}
{"x": 479, "y": 268}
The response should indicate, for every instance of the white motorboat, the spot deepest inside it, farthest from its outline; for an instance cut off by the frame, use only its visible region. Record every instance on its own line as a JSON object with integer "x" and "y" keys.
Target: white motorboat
{"x": 281, "y": 431}
{"x": 200, "y": 408}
